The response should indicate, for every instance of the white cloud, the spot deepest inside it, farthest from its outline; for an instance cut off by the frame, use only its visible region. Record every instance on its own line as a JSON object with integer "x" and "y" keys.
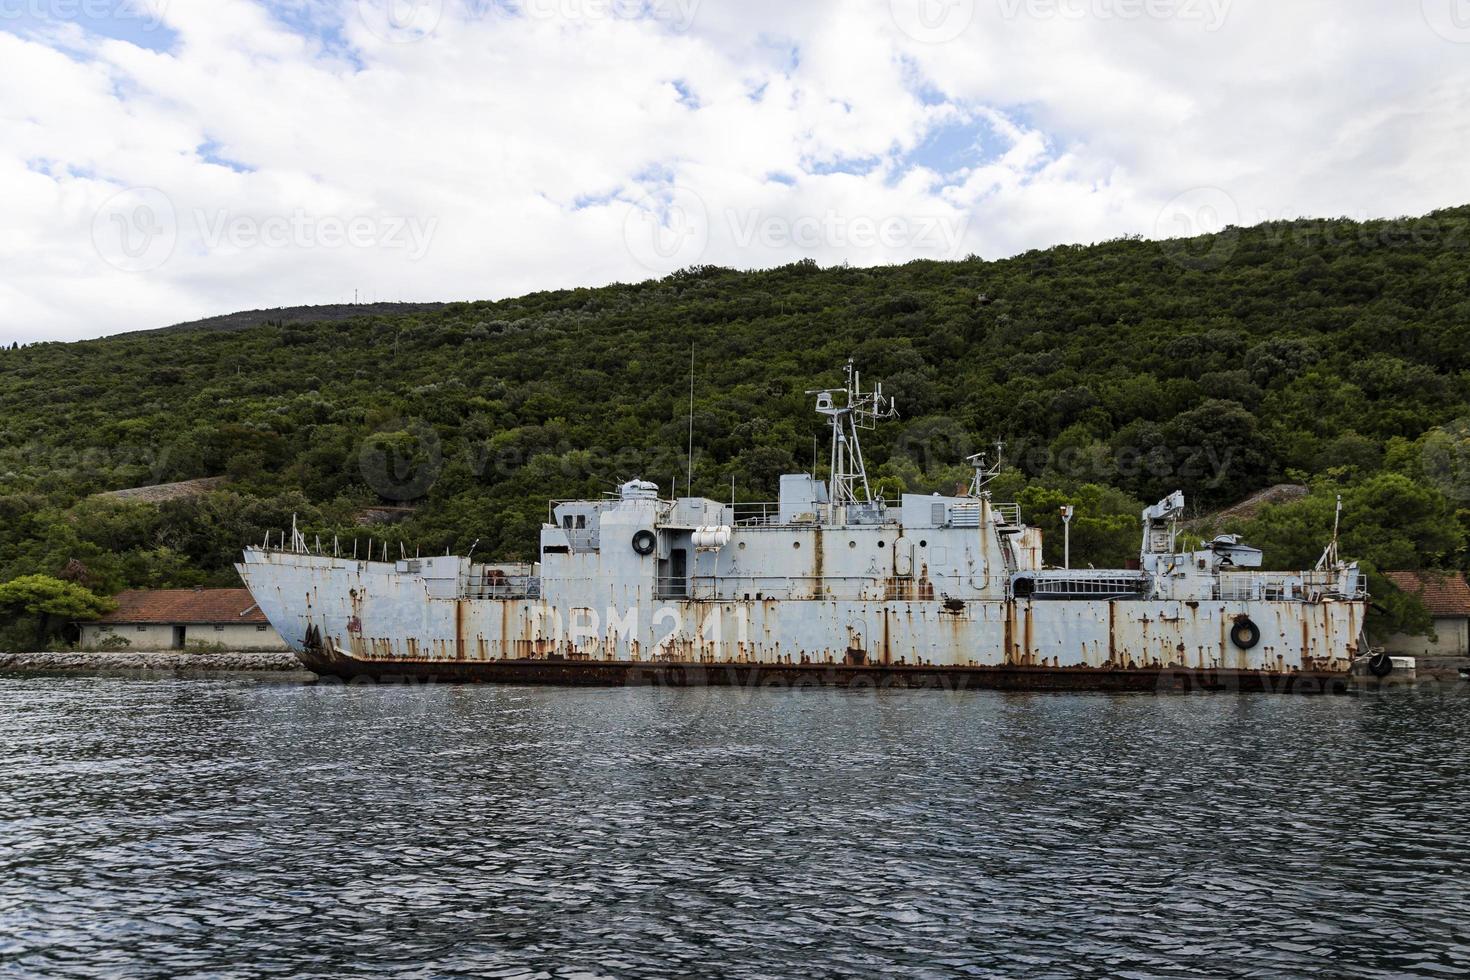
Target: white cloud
{"x": 504, "y": 153}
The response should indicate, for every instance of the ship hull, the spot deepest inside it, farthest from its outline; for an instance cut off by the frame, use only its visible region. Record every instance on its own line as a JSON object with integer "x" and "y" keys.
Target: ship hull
{"x": 373, "y": 621}
{"x": 330, "y": 663}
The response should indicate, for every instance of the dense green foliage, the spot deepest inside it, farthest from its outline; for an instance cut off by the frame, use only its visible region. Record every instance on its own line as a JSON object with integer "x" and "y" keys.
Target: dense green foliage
{"x": 45, "y": 603}
{"x": 1333, "y": 353}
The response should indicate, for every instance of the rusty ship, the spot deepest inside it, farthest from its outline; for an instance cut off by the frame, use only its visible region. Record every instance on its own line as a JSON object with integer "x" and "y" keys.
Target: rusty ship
{"x": 829, "y": 584}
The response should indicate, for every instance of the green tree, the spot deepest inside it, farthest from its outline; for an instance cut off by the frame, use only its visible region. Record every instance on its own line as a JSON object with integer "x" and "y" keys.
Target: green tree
{"x": 51, "y": 602}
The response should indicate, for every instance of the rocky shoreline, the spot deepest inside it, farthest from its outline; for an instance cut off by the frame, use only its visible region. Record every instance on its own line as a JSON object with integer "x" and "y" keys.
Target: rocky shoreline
{"x": 252, "y": 662}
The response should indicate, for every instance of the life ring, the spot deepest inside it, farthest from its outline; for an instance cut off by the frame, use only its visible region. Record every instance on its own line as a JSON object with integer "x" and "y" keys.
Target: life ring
{"x": 644, "y": 542}
{"x": 1380, "y": 665}
{"x": 1245, "y": 634}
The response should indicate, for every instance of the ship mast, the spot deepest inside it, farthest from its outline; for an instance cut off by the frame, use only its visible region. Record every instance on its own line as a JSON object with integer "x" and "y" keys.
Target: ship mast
{"x": 850, "y": 410}
{"x": 985, "y": 471}
{"x": 1329, "y": 557}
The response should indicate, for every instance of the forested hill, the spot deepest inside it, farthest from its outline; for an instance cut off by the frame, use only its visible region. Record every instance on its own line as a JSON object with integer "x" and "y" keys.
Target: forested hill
{"x": 1326, "y": 352}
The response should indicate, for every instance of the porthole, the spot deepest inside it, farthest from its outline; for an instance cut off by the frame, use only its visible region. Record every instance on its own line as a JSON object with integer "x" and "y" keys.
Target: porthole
{"x": 923, "y": 544}
{"x": 852, "y": 544}
{"x": 741, "y": 546}
{"x": 796, "y": 544}
{"x": 880, "y": 544}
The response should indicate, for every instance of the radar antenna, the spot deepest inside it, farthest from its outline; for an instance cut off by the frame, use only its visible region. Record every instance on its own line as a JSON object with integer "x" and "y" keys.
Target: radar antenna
{"x": 985, "y": 471}
{"x": 850, "y": 410}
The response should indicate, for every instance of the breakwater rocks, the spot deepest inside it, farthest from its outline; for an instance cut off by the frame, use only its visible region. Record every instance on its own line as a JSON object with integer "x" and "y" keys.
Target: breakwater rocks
{"x": 173, "y": 662}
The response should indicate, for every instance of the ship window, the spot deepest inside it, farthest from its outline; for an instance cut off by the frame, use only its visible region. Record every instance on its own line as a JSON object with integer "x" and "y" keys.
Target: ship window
{"x": 566, "y": 521}
{"x": 880, "y": 544}
{"x": 852, "y": 544}
{"x": 923, "y": 544}
{"x": 796, "y": 544}
{"x": 581, "y": 520}
{"x": 742, "y": 546}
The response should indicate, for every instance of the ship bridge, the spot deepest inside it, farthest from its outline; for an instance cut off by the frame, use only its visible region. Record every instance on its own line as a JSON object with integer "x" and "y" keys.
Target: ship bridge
{"x": 797, "y": 547}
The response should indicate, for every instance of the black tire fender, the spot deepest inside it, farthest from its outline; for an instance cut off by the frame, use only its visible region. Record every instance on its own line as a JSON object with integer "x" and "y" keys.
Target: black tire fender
{"x": 644, "y": 542}
{"x": 1245, "y": 634}
{"x": 1380, "y": 664}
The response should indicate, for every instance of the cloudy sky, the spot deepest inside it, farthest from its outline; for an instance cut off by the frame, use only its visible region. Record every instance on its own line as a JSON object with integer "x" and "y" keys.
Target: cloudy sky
{"x": 164, "y": 160}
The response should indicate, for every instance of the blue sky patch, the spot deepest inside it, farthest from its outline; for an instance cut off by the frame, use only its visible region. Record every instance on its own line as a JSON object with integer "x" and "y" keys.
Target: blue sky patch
{"x": 133, "y": 21}
{"x": 687, "y": 97}
{"x": 209, "y": 152}
{"x": 957, "y": 145}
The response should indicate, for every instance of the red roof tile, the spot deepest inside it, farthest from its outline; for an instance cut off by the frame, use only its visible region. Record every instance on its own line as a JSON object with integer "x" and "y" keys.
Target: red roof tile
{"x": 1443, "y": 594}
{"x": 185, "y": 606}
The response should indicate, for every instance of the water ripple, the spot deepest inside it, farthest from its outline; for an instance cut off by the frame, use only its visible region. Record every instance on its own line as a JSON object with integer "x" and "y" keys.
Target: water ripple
{"x": 203, "y": 828}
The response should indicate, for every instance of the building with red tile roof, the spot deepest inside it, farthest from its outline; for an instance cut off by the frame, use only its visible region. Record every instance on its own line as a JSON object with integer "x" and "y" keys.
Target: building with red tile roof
{"x": 1447, "y": 597}
{"x": 173, "y": 619}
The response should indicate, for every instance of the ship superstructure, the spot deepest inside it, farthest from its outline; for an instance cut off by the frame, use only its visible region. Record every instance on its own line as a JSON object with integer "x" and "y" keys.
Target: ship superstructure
{"x": 828, "y": 584}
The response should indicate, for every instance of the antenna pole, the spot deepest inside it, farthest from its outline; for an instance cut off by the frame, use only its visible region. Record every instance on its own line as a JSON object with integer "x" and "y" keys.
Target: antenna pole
{"x": 1329, "y": 557}
{"x": 689, "y": 477}
{"x": 1067, "y": 536}
{"x": 850, "y": 411}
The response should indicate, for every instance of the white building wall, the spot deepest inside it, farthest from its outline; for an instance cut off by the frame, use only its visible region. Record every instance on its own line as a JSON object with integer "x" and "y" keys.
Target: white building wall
{"x": 1452, "y": 639}
{"x": 156, "y": 636}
